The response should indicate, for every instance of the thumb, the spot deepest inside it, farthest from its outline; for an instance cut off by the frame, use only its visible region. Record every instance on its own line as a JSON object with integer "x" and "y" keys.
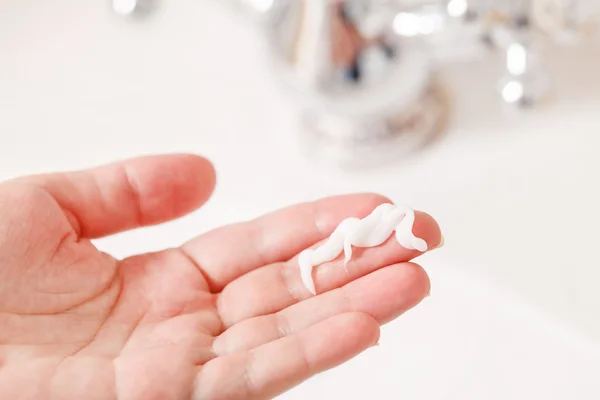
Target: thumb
{"x": 126, "y": 195}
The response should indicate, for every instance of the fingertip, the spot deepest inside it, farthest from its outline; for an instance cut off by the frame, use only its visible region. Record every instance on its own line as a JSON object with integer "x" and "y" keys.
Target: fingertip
{"x": 367, "y": 326}
{"x": 428, "y": 229}
{"x": 173, "y": 185}
{"x": 416, "y": 280}
{"x": 204, "y": 175}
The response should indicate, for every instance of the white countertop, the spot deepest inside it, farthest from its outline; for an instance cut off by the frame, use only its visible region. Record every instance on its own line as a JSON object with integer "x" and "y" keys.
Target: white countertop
{"x": 515, "y": 305}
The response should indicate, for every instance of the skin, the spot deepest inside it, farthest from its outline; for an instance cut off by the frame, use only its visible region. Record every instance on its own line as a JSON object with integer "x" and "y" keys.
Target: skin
{"x": 224, "y": 316}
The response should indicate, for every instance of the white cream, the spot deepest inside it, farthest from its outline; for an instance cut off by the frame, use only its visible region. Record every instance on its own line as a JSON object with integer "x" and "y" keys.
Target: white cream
{"x": 370, "y": 231}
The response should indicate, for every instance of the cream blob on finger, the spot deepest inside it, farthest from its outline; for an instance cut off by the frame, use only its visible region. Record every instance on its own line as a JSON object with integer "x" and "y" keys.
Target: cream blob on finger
{"x": 371, "y": 231}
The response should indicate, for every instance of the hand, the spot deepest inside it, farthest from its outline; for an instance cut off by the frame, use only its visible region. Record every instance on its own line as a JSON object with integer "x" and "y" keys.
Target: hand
{"x": 225, "y": 316}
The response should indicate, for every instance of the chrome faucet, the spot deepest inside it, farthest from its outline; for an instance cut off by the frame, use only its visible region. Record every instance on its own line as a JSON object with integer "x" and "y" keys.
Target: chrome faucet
{"x": 365, "y": 70}
{"x": 366, "y": 91}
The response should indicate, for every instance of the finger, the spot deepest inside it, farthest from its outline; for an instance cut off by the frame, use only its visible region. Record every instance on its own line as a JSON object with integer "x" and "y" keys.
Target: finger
{"x": 135, "y": 193}
{"x": 273, "y": 368}
{"x": 232, "y": 251}
{"x": 384, "y": 294}
{"x": 277, "y": 286}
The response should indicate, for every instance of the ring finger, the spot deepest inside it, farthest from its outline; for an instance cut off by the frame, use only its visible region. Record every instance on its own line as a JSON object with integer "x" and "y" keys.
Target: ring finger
{"x": 384, "y": 294}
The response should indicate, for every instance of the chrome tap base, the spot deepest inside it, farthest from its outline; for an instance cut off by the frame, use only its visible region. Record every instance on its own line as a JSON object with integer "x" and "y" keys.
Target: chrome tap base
{"x": 349, "y": 143}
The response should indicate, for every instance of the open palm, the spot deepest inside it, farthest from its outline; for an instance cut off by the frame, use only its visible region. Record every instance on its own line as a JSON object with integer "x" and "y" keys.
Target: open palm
{"x": 224, "y": 316}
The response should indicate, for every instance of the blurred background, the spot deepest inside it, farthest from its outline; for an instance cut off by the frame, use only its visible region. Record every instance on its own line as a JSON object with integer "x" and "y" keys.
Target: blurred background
{"x": 484, "y": 114}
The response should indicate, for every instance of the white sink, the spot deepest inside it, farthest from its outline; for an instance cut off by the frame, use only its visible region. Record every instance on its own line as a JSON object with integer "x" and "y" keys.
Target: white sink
{"x": 517, "y": 200}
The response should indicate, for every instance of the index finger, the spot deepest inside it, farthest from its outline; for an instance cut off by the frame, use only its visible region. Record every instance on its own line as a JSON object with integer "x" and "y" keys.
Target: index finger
{"x": 227, "y": 253}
